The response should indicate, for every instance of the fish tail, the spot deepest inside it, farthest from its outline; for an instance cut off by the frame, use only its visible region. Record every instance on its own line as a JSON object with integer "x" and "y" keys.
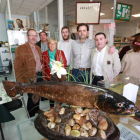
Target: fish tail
{"x": 10, "y": 88}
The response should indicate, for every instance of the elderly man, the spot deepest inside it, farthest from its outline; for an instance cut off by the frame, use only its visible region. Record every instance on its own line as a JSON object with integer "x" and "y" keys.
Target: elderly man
{"x": 81, "y": 54}
{"x": 27, "y": 65}
{"x": 43, "y": 41}
{"x": 103, "y": 65}
{"x": 65, "y": 44}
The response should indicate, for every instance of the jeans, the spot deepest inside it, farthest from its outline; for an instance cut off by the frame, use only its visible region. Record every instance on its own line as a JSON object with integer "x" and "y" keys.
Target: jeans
{"x": 80, "y": 76}
{"x": 31, "y": 107}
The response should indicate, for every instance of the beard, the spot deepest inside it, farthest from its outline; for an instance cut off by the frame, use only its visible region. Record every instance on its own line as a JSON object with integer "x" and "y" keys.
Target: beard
{"x": 66, "y": 37}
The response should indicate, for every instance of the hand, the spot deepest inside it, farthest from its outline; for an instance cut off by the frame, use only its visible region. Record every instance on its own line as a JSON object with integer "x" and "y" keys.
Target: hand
{"x": 112, "y": 49}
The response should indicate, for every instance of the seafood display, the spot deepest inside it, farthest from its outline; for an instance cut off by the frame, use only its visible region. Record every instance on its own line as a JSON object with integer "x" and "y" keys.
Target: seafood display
{"x": 75, "y": 93}
{"x": 76, "y": 124}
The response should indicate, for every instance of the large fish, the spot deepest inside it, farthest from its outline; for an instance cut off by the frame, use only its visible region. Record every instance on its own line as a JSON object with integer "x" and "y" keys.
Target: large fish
{"x": 75, "y": 93}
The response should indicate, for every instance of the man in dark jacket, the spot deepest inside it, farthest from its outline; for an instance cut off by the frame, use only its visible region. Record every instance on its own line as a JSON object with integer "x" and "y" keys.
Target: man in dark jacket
{"x": 43, "y": 41}
{"x": 126, "y": 48}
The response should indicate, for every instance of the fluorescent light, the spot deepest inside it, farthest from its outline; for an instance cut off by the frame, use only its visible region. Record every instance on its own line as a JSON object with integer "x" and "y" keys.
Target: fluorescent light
{"x": 127, "y": 78}
{"x": 112, "y": 7}
{"x": 136, "y": 15}
{"x": 101, "y": 14}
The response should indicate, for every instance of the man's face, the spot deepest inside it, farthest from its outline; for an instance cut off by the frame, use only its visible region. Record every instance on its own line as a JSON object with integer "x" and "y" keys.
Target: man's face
{"x": 43, "y": 37}
{"x": 100, "y": 41}
{"x": 131, "y": 40}
{"x": 32, "y": 37}
{"x": 82, "y": 32}
{"x": 65, "y": 34}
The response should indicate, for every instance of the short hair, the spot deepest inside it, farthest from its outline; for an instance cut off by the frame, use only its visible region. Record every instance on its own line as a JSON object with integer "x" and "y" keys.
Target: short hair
{"x": 43, "y": 32}
{"x": 65, "y": 27}
{"x": 52, "y": 39}
{"x": 29, "y": 31}
{"x": 100, "y": 33}
{"x": 82, "y": 24}
{"x": 136, "y": 48}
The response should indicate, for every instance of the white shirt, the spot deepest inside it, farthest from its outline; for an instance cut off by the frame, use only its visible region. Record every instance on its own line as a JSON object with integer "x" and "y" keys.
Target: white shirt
{"x": 98, "y": 62}
{"x": 66, "y": 48}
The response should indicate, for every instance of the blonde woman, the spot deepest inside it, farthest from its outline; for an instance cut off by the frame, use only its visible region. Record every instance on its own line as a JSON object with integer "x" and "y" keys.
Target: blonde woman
{"x": 48, "y": 56}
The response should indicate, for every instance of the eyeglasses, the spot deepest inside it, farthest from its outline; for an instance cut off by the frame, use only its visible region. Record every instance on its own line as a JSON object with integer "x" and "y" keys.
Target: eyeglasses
{"x": 33, "y": 35}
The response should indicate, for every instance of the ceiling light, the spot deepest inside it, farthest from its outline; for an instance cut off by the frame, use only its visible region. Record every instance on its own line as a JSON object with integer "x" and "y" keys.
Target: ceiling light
{"x": 101, "y": 14}
{"x": 136, "y": 15}
{"x": 127, "y": 78}
{"x": 112, "y": 7}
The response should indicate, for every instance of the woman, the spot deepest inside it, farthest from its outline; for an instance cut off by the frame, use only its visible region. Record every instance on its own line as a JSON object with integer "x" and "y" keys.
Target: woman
{"x": 48, "y": 56}
{"x": 130, "y": 62}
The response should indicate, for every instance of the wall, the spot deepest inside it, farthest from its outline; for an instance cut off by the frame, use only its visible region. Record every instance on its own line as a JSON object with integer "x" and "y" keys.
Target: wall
{"x": 3, "y": 34}
{"x": 126, "y": 29}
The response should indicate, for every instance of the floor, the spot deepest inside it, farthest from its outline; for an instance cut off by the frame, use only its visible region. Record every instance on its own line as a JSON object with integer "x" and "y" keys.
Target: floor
{"x": 10, "y": 128}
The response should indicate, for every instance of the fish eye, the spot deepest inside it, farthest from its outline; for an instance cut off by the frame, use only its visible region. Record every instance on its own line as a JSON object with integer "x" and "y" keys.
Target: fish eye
{"x": 120, "y": 104}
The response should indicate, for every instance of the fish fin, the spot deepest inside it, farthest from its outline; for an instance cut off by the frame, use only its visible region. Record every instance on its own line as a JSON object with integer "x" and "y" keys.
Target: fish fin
{"x": 93, "y": 102}
{"x": 10, "y": 88}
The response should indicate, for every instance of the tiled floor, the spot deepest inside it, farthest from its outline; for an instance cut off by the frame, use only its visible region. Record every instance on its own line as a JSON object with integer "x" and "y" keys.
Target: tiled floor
{"x": 10, "y": 128}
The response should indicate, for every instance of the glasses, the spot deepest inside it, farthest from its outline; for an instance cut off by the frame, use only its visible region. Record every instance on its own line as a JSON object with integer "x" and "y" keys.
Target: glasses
{"x": 33, "y": 35}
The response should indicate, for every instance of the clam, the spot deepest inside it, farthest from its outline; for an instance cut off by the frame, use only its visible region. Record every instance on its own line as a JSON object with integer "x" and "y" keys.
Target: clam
{"x": 48, "y": 114}
{"x": 103, "y": 125}
{"x": 83, "y": 132}
{"x": 76, "y": 127}
{"x": 87, "y": 117}
{"x": 57, "y": 128}
{"x": 92, "y": 131}
{"x": 71, "y": 122}
{"x": 85, "y": 112}
{"x": 75, "y": 133}
{"x": 51, "y": 125}
{"x": 51, "y": 119}
{"x": 77, "y": 116}
{"x": 88, "y": 124}
{"x": 67, "y": 130}
{"x": 57, "y": 120}
{"x": 78, "y": 110}
{"x": 102, "y": 134}
{"x": 85, "y": 126}
{"x": 62, "y": 111}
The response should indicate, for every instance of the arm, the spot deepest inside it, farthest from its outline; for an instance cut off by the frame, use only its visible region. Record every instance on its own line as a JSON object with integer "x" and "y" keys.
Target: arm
{"x": 19, "y": 65}
{"x": 123, "y": 63}
{"x": 117, "y": 64}
{"x": 64, "y": 59}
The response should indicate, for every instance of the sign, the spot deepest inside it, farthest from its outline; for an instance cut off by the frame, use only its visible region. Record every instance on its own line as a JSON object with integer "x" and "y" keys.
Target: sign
{"x": 88, "y": 12}
{"x": 123, "y": 11}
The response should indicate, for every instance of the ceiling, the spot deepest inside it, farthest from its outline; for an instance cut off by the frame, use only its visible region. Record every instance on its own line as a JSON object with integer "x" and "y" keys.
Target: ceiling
{"x": 26, "y": 7}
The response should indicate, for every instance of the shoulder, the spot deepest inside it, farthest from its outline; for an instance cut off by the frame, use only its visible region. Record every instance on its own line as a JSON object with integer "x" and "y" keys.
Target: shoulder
{"x": 46, "y": 52}
{"x": 22, "y": 47}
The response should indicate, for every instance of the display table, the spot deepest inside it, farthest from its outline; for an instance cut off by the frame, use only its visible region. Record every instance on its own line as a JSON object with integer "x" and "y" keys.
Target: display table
{"x": 27, "y": 130}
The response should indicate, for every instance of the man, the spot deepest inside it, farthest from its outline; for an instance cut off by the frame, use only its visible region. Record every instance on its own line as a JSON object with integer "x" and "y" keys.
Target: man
{"x": 126, "y": 48}
{"x": 81, "y": 54}
{"x": 43, "y": 41}
{"x": 65, "y": 44}
{"x": 103, "y": 65}
{"x": 27, "y": 65}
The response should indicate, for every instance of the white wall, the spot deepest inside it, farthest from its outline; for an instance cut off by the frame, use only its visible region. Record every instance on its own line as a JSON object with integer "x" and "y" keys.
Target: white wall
{"x": 23, "y": 18}
{"x": 126, "y": 29}
{"x": 3, "y": 34}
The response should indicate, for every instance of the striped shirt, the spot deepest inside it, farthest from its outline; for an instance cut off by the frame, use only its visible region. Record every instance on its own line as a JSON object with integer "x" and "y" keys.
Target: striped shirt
{"x": 81, "y": 53}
